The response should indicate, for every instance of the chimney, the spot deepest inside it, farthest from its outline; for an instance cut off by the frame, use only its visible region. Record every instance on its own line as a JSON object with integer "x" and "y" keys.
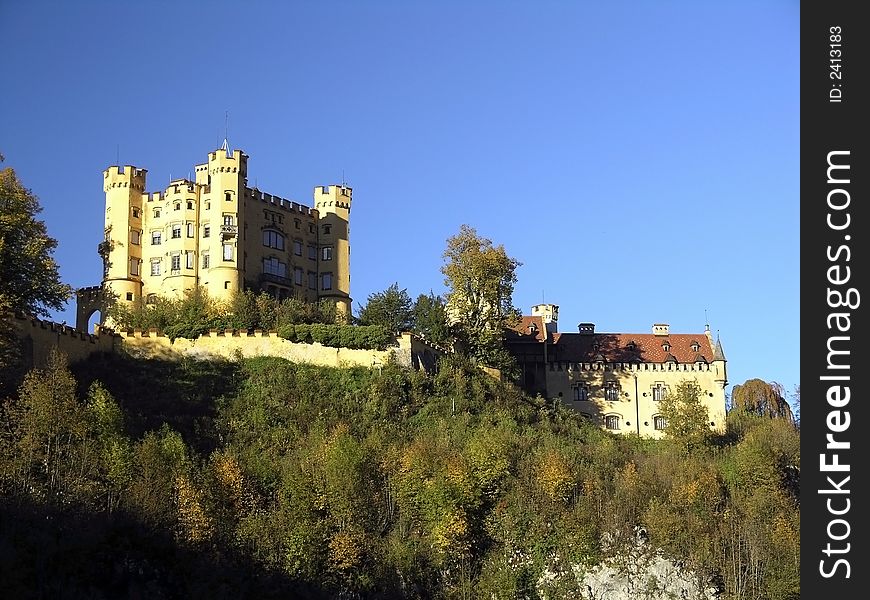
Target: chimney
{"x": 660, "y": 329}
{"x": 586, "y": 328}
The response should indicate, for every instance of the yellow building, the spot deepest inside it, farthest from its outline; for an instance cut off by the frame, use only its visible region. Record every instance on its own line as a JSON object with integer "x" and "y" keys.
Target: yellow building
{"x": 220, "y": 234}
{"x": 618, "y": 379}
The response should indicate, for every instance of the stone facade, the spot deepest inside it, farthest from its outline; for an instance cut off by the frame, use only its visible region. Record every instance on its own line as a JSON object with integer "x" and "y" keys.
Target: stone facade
{"x": 618, "y": 379}
{"x": 218, "y": 233}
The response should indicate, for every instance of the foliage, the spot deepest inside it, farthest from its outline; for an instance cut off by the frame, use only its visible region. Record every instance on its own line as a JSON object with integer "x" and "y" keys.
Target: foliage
{"x": 762, "y": 398}
{"x": 371, "y": 337}
{"x": 686, "y": 416}
{"x": 430, "y": 319}
{"x": 391, "y": 309}
{"x": 480, "y": 278}
{"x": 265, "y": 478}
{"x": 29, "y": 277}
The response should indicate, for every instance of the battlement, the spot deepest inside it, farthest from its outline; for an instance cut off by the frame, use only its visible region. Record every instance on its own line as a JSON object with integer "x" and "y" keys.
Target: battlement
{"x": 281, "y": 203}
{"x": 221, "y": 155}
{"x": 183, "y": 183}
{"x": 339, "y": 196}
{"x": 124, "y": 177}
{"x": 42, "y": 336}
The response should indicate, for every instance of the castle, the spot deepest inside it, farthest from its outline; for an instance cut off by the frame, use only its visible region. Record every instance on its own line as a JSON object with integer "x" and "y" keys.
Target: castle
{"x": 219, "y": 234}
{"x": 617, "y": 379}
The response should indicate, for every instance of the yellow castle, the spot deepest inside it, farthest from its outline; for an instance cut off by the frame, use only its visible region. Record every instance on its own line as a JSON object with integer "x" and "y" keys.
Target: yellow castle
{"x": 217, "y": 233}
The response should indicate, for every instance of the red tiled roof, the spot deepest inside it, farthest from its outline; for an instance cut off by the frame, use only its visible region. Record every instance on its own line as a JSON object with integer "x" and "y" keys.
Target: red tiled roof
{"x": 616, "y": 347}
{"x": 521, "y": 332}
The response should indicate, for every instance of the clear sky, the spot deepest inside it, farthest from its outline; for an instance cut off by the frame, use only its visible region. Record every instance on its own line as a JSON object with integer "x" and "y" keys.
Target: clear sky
{"x": 639, "y": 158}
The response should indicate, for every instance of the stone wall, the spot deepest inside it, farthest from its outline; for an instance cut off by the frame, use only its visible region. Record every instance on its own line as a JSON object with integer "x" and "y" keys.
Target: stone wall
{"x": 39, "y": 337}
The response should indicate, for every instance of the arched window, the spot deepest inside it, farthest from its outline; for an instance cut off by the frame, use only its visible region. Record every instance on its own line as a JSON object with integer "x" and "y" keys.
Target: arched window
{"x": 659, "y": 422}
{"x": 273, "y": 239}
{"x": 611, "y": 422}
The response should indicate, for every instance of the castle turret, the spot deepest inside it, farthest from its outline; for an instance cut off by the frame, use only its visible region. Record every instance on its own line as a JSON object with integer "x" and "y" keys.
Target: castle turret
{"x": 121, "y": 248}
{"x": 333, "y": 206}
{"x": 222, "y": 209}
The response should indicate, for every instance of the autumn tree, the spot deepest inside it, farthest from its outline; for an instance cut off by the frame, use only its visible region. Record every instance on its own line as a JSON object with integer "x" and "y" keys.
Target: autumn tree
{"x": 480, "y": 278}
{"x": 29, "y": 277}
{"x": 391, "y": 308}
{"x": 688, "y": 421}
{"x": 759, "y": 397}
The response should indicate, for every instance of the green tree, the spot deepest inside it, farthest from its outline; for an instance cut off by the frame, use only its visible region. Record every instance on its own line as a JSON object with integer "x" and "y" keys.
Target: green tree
{"x": 686, "y": 415}
{"x": 29, "y": 277}
{"x": 480, "y": 278}
{"x": 391, "y": 308}
{"x": 430, "y": 318}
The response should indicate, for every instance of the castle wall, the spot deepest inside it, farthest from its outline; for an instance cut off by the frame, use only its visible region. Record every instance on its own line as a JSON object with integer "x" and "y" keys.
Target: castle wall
{"x": 228, "y": 345}
{"x": 39, "y": 337}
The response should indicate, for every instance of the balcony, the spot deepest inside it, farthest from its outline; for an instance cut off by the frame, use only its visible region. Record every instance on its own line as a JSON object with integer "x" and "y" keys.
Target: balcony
{"x": 229, "y": 230}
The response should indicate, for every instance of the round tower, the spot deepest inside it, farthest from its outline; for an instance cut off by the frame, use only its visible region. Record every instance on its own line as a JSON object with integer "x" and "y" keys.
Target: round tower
{"x": 121, "y": 248}
{"x": 333, "y": 261}
{"x": 222, "y": 208}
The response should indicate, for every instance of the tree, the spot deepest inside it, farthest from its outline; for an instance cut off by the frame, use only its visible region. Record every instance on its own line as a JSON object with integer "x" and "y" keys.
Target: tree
{"x": 762, "y": 398}
{"x": 480, "y": 278}
{"x": 687, "y": 417}
{"x": 391, "y": 308}
{"x": 29, "y": 278}
{"x": 430, "y": 318}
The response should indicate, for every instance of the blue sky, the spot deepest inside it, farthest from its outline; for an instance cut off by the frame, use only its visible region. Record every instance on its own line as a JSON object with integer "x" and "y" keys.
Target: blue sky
{"x": 641, "y": 159}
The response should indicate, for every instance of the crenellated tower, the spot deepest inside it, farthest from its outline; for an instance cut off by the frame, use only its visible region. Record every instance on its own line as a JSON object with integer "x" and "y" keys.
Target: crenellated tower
{"x": 121, "y": 248}
{"x": 333, "y": 205}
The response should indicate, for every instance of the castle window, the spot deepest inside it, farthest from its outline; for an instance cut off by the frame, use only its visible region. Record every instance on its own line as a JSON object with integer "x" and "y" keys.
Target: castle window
{"x": 666, "y": 347}
{"x": 312, "y": 252}
{"x": 696, "y": 347}
{"x": 176, "y": 206}
{"x": 327, "y": 281}
{"x": 581, "y": 393}
{"x": 228, "y": 219}
{"x": 151, "y": 299}
{"x": 130, "y": 296}
{"x": 176, "y": 231}
{"x": 206, "y": 231}
{"x": 611, "y": 391}
{"x": 312, "y": 280}
{"x": 297, "y": 276}
{"x": 311, "y": 228}
{"x": 273, "y": 239}
{"x": 205, "y": 260}
{"x": 659, "y": 422}
{"x": 135, "y": 213}
{"x": 659, "y": 391}
{"x": 228, "y": 252}
{"x": 228, "y": 196}
{"x": 189, "y": 205}
{"x": 155, "y": 238}
{"x": 208, "y": 205}
{"x": 176, "y": 263}
{"x": 273, "y": 266}
{"x": 327, "y": 229}
{"x": 135, "y": 237}
{"x": 188, "y": 260}
{"x": 190, "y": 230}
{"x": 326, "y": 253}
{"x": 611, "y": 422}
{"x": 156, "y": 213}
{"x": 297, "y": 223}
{"x": 155, "y": 267}
{"x": 297, "y": 247}
{"x": 134, "y": 266}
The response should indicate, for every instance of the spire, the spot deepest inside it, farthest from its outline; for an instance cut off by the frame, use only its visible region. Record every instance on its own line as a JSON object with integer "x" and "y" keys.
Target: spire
{"x": 226, "y": 148}
{"x": 718, "y": 353}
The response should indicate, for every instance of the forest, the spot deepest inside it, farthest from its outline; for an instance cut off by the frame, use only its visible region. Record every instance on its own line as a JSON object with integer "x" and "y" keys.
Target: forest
{"x": 261, "y": 478}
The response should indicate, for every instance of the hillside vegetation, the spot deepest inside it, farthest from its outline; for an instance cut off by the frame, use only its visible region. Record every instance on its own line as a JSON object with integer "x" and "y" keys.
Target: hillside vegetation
{"x": 260, "y": 478}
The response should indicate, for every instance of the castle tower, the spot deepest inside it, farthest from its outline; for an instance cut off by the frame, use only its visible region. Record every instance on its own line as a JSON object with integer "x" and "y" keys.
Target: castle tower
{"x": 333, "y": 205}
{"x": 223, "y": 182}
{"x": 121, "y": 248}
{"x": 549, "y": 314}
